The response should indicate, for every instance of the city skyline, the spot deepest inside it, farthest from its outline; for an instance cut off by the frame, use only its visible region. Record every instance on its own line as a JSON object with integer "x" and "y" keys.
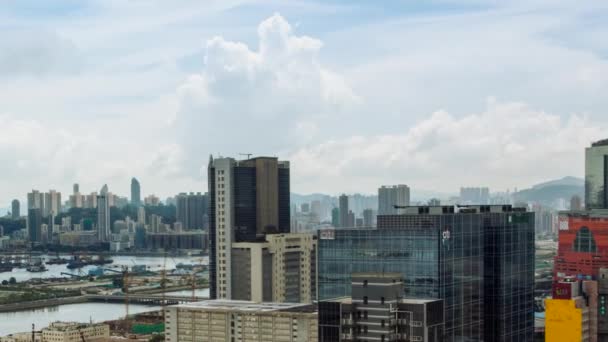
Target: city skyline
{"x": 155, "y": 101}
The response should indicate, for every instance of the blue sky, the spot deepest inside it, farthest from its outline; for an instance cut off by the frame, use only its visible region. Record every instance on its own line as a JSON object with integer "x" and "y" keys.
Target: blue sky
{"x": 355, "y": 93}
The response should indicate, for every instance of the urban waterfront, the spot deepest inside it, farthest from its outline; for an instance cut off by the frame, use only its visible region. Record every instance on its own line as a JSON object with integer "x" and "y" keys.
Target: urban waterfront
{"x": 21, "y": 321}
{"x": 54, "y": 271}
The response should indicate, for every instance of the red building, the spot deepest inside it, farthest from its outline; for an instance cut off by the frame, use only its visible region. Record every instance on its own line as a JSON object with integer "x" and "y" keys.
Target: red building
{"x": 583, "y": 244}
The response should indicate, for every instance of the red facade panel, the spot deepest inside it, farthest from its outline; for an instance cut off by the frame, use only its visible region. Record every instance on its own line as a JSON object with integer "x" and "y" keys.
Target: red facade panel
{"x": 582, "y": 248}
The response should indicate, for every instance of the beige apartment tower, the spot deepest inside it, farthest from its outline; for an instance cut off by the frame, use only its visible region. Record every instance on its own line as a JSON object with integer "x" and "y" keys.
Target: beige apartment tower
{"x": 229, "y": 320}
{"x": 281, "y": 270}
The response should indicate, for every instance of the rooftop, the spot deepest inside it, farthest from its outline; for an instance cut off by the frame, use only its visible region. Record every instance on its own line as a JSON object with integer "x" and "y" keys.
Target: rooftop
{"x": 600, "y": 143}
{"x": 246, "y": 306}
{"x": 349, "y": 300}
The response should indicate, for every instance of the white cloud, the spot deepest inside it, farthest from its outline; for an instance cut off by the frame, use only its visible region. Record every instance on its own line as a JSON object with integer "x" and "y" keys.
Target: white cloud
{"x": 262, "y": 99}
{"x": 507, "y": 145}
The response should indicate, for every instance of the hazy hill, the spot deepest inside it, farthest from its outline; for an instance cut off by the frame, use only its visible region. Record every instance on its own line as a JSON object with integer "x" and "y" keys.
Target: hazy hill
{"x": 549, "y": 193}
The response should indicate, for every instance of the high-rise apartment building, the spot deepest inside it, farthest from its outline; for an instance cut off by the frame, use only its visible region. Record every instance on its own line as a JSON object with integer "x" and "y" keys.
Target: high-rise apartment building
{"x": 76, "y": 188}
{"x": 135, "y": 192}
{"x": 52, "y": 204}
{"x": 335, "y": 217}
{"x": 192, "y": 210}
{"x": 576, "y": 203}
{"x": 15, "y": 209}
{"x": 390, "y": 196}
{"x": 596, "y": 175}
{"x": 141, "y": 215}
{"x": 248, "y": 200}
{"x": 478, "y": 259}
{"x": 343, "y": 204}
{"x": 368, "y": 218}
{"x": 377, "y": 311}
{"x": 281, "y": 270}
{"x": 35, "y": 199}
{"x": 34, "y": 225}
{"x": 231, "y": 320}
{"x": 91, "y": 200}
{"x": 103, "y": 215}
{"x": 474, "y": 195}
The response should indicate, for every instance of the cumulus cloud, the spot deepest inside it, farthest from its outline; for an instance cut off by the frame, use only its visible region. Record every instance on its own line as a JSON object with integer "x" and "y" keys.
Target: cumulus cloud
{"x": 259, "y": 99}
{"x": 508, "y": 144}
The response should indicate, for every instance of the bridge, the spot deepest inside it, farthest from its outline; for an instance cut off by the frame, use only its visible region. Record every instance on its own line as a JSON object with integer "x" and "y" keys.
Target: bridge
{"x": 145, "y": 299}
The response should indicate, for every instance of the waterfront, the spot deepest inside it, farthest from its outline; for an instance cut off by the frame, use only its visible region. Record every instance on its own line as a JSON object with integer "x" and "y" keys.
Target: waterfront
{"x": 21, "y": 321}
{"x": 54, "y": 271}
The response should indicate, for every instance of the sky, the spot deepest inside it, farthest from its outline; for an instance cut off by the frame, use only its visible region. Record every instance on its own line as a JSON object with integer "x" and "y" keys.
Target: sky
{"x": 435, "y": 94}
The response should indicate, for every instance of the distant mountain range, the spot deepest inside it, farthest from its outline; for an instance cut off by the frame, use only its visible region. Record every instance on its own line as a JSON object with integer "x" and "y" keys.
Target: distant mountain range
{"x": 550, "y": 193}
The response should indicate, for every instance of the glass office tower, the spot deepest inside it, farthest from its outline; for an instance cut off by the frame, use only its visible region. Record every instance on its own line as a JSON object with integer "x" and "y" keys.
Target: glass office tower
{"x": 596, "y": 175}
{"x": 480, "y": 260}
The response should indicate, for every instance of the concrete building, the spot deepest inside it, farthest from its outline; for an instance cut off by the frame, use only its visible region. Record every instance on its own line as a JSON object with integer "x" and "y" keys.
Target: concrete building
{"x": 35, "y": 200}
{"x": 91, "y": 200}
{"x": 474, "y": 196}
{"x": 248, "y": 200}
{"x": 192, "y": 210}
{"x": 377, "y": 311}
{"x": 391, "y": 195}
{"x": 103, "y": 215}
{"x": 78, "y": 238}
{"x": 52, "y": 204}
{"x": 572, "y": 312}
{"x": 282, "y": 269}
{"x": 369, "y": 218}
{"x": 135, "y": 192}
{"x": 76, "y": 332}
{"x": 478, "y": 259}
{"x": 602, "y": 309}
{"x": 576, "y": 203}
{"x": 34, "y": 225}
{"x": 596, "y": 175}
{"x": 343, "y": 205}
{"x": 152, "y": 200}
{"x": 174, "y": 240}
{"x": 15, "y": 209}
{"x": 224, "y": 320}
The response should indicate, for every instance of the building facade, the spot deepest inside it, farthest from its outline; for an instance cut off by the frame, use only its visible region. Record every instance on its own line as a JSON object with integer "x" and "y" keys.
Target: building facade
{"x": 249, "y": 199}
{"x": 479, "y": 260}
{"x": 225, "y": 320}
{"x": 596, "y": 175}
{"x": 15, "y": 209}
{"x": 280, "y": 270}
{"x": 34, "y": 225}
{"x": 572, "y": 312}
{"x": 343, "y": 204}
{"x": 377, "y": 311}
{"x": 391, "y": 195}
{"x": 75, "y": 332}
{"x": 103, "y": 215}
{"x": 582, "y": 244}
{"x": 135, "y": 192}
{"x": 192, "y": 210}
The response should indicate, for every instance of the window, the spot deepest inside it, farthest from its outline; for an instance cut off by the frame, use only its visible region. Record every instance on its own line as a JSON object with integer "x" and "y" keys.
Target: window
{"x": 584, "y": 241}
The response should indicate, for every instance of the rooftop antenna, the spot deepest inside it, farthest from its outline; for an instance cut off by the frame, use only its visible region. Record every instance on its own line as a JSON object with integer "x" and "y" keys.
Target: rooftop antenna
{"x": 246, "y": 154}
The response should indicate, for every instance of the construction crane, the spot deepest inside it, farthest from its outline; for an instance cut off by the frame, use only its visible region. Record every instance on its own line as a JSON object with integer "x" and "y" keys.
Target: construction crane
{"x": 163, "y": 284}
{"x": 125, "y": 290}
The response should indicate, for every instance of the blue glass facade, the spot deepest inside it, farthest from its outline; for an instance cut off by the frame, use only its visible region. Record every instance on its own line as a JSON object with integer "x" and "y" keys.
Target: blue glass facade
{"x": 481, "y": 264}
